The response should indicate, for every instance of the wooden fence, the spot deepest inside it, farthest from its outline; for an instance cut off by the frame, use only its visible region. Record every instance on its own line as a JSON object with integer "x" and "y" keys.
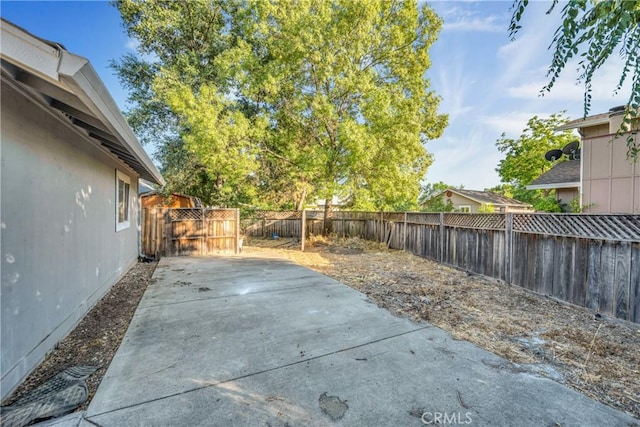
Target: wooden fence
{"x": 588, "y": 260}
{"x": 189, "y": 231}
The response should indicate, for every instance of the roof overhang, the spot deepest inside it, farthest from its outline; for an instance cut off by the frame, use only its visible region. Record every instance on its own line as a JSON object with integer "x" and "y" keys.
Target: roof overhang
{"x": 68, "y": 85}
{"x": 599, "y": 119}
{"x": 575, "y": 185}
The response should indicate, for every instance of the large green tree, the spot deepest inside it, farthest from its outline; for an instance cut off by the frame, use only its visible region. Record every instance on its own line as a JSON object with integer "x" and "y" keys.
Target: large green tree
{"x": 179, "y": 45}
{"x": 525, "y": 161}
{"x": 320, "y": 99}
{"x": 594, "y": 30}
{"x": 349, "y": 97}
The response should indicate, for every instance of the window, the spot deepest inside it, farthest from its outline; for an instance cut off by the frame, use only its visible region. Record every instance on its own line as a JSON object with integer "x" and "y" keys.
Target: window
{"x": 123, "y": 185}
{"x": 464, "y": 208}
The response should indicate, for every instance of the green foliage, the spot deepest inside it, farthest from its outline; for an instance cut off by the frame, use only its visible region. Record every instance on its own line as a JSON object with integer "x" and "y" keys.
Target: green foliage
{"x": 524, "y": 157}
{"x": 541, "y": 200}
{"x": 178, "y": 45}
{"x": 486, "y": 208}
{"x": 594, "y": 31}
{"x": 430, "y": 203}
{"x": 347, "y": 99}
{"x": 506, "y": 190}
{"x": 544, "y": 201}
{"x": 284, "y": 104}
{"x": 437, "y": 204}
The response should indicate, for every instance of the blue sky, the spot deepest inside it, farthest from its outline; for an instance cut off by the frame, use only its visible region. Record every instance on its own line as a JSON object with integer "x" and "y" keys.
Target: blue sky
{"x": 488, "y": 84}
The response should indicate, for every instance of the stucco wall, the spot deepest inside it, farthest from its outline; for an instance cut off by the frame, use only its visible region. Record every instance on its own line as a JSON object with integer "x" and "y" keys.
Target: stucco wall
{"x": 611, "y": 182}
{"x": 60, "y": 250}
{"x": 458, "y": 201}
{"x": 566, "y": 195}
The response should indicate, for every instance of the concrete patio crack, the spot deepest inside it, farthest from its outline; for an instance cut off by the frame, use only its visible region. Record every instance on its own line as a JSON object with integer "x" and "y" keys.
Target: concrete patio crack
{"x": 264, "y": 371}
{"x": 236, "y": 295}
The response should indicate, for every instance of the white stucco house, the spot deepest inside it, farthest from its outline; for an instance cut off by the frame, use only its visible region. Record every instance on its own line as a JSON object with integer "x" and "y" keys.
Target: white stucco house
{"x": 69, "y": 207}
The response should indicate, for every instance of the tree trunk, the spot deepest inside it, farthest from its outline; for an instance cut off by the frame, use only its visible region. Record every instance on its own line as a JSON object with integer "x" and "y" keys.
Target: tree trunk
{"x": 327, "y": 226}
{"x": 299, "y": 203}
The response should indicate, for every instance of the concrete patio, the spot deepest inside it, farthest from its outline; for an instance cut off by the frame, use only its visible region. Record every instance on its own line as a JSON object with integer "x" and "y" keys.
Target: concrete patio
{"x": 254, "y": 341}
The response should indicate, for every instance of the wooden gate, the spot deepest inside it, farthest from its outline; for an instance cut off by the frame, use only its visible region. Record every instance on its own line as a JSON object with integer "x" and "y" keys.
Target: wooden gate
{"x": 189, "y": 231}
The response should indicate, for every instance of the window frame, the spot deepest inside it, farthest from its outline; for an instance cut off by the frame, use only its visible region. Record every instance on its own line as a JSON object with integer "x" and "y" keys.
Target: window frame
{"x": 123, "y": 225}
{"x": 461, "y": 207}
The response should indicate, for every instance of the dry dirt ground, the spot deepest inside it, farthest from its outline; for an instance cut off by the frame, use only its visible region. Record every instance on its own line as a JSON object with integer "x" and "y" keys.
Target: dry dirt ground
{"x": 596, "y": 355}
{"x": 97, "y": 337}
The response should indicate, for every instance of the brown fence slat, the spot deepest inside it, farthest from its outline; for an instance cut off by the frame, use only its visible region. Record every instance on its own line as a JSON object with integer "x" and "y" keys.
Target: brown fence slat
{"x": 621, "y": 280}
{"x": 189, "y": 231}
{"x": 634, "y": 292}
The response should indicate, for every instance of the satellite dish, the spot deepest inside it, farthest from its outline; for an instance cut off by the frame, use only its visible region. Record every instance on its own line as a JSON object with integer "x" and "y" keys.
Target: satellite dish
{"x": 571, "y": 148}
{"x": 575, "y": 156}
{"x": 553, "y": 155}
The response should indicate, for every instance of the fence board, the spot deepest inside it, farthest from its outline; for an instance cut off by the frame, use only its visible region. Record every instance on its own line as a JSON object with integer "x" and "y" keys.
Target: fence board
{"x": 621, "y": 280}
{"x": 594, "y": 263}
{"x": 579, "y": 278}
{"x": 634, "y": 293}
{"x": 607, "y": 273}
{"x": 529, "y": 277}
{"x": 189, "y": 231}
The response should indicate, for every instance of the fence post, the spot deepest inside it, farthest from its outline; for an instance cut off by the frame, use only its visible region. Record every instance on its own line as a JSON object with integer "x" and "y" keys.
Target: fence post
{"x": 303, "y": 229}
{"x": 203, "y": 233}
{"x": 441, "y": 238}
{"x": 508, "y": 246}
{"x": 381, "y": 227}
{"x": 168, "y": 232}
{"x": 237, "y": 230}
{"x": 404, "y": 237}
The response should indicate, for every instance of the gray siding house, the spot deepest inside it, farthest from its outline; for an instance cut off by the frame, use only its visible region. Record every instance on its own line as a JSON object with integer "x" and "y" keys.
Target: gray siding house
{"x": 69, "y": 207}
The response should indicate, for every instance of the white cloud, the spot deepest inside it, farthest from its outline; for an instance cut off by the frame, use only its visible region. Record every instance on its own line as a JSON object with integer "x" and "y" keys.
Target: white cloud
{"x": 454, "y": 87}
{"x": 511, "y": 123}
{"x": 490, "y": 24}
{"x": 472, "y": 17}
{"x": 568, "y": 88}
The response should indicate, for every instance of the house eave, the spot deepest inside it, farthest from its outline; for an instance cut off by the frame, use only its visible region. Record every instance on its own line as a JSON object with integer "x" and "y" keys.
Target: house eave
{"x": 68, "y": 84}
{"x": 599, "y": 119}
{"x": 553, "y": 186}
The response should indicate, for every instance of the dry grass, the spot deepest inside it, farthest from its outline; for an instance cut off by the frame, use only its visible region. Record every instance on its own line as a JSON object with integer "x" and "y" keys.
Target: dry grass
{"x": 596, "y": 355}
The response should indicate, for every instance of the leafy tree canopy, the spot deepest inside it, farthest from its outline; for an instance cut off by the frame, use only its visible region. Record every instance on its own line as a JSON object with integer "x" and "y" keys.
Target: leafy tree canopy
{"x": 524, "y": 157}
{"x": 524, "y": 160}
{"x": 284, "y": 103}
{"x": 593, "y": 31}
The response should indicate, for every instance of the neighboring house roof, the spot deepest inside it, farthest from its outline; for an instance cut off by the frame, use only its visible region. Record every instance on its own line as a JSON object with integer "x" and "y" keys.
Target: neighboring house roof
{"x": 67, "y": 85}
{"x": 561, "y": 175}
{"x": 598, "y": 119}
{"x": 486, "y": 197}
